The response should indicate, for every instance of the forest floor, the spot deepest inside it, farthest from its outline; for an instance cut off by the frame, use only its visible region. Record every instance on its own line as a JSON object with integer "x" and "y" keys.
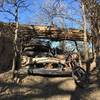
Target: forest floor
{"x": 46, "y": 88}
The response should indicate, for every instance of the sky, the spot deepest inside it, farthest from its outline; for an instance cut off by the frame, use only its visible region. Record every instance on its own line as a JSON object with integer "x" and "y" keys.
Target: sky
{"x": 31, "y": 16}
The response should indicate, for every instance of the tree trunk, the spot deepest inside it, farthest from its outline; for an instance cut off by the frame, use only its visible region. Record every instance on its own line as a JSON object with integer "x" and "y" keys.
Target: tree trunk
{"x": 85, "y": 34}
{"x": 80, "y": 59}
{"x": 15, "y": 41}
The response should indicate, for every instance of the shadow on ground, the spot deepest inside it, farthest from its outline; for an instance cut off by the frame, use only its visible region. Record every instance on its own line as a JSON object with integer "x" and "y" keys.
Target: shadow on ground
{"x": 43, "y": 89}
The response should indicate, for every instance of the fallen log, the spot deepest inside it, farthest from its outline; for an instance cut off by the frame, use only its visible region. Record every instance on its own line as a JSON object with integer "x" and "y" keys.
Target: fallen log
{"x": 44, "y": 72}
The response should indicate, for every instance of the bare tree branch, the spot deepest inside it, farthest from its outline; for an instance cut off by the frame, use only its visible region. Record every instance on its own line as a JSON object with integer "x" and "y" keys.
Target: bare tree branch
{"x": 7, "y": 11}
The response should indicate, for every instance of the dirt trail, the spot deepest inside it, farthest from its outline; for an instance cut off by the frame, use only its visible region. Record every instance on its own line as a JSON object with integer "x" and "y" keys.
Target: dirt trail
{"x": 46, "y": 88}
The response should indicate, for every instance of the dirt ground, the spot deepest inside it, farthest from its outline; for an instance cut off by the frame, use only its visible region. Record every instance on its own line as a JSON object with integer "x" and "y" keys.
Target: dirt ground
{"x": 46, "y": 88}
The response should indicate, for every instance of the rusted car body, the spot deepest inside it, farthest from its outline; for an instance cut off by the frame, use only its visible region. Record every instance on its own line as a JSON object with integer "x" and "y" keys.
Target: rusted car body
{"x": 40, "y": 54}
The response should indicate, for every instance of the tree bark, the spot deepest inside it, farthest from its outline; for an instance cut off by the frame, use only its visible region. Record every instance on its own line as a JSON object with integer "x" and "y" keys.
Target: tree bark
{"x": 85, "y": 34}
{"x": 15, "y": 41}
{"x": 80, "y": 59}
